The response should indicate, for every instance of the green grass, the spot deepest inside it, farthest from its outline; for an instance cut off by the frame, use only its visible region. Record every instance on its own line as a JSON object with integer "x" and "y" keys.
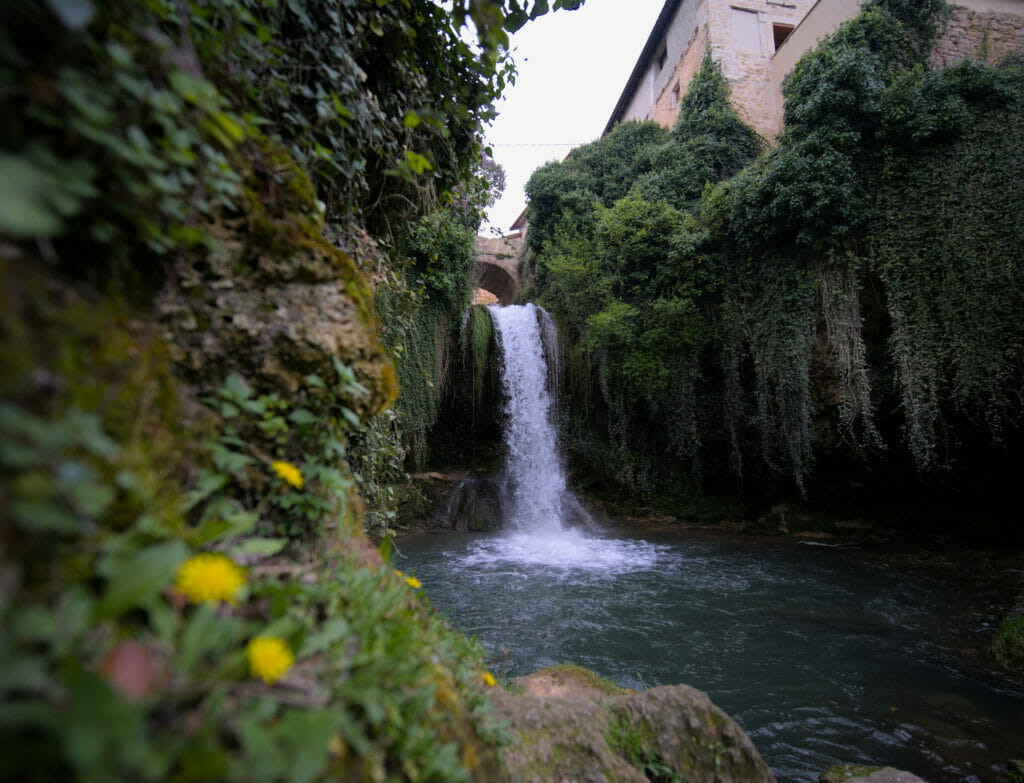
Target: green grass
{"x": 628, "y": 740}
{"x": 1009, "y": 643}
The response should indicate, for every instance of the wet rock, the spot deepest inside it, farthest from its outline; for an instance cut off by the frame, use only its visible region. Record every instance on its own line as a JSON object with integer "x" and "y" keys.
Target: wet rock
{"x": 476, "y": 506}
{"x": 421, "y": 502}
{"x": 856, "y": 773}
{"x": 572, "y": 725}
{"x": 275, "y": 301}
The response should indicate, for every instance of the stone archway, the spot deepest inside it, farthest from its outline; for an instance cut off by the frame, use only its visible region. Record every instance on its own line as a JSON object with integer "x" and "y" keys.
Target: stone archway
{"x": 497, "y": 266}
{"x": 496, "y": 279}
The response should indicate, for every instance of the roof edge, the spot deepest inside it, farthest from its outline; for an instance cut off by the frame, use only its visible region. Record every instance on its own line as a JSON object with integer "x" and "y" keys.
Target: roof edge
{"x": 646, "y": 55}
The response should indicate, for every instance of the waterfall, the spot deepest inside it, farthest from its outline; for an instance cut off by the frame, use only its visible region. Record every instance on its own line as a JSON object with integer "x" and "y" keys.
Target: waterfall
{"x": 535, "y": 480}
{"x": 545, "y": 525}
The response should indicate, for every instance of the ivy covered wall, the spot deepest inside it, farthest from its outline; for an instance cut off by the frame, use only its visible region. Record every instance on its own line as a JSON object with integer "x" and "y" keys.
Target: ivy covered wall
{"x": 844, "y": 300}
{"x": 218, "y": 223}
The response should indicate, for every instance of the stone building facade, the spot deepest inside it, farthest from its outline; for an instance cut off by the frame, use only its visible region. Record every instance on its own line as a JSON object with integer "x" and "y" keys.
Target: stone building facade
{"x": 498, "y": 261}
{"x": 981, "y": 29}
{"x": 757, "y": 42}
{"x": 742, "y": 35}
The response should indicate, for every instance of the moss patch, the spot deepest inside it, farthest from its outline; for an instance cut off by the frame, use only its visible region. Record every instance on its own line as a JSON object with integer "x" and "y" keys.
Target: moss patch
{"x": 1009, "y": 643}
{"x": 840, "y": 773}
{"x": 571, "y": 724}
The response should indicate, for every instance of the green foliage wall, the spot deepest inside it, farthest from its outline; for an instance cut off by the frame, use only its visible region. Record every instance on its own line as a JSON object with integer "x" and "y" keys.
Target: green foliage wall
{"x": 741, "y": 314}
{"x": 425, "y": 340}
{"x": 188, "y": 593}
{"x": 380, "y": 102}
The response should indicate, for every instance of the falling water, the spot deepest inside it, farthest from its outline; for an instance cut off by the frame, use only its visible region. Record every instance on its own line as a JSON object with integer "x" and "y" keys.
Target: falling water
{"x": 546, "y": 522}
{"x": 822, "y": 659}
{"x": 536, "y": 483}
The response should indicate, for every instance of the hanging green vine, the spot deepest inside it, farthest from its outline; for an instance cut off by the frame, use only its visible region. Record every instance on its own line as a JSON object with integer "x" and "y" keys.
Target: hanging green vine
{"x": 870, "y": 262}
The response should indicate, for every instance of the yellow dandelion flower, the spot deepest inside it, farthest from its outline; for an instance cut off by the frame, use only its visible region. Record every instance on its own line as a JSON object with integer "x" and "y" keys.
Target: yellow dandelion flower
{"x": 413, "y": 582}
{"x": 288, "y": 472}
{"x": 489, "y": 679}
{"x": 210, "y": 577}
{"x": 269, "y": 658}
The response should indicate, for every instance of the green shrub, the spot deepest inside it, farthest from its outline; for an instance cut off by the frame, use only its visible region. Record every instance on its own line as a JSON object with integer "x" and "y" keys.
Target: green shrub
{"x": 1009, "y": 642}
{"x": 735, "y": 309}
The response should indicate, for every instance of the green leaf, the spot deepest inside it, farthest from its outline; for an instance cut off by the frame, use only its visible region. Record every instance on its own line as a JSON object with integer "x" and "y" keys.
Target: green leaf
{"x": 412, "y": 119}
{"x": 515, "y": 20}
{"x": 206, "y": 634}
{"x": 87, "y": 432}
{"x": 264, "y": 547}
{"x": 74, "y": 615}
{"x": 33, "y": 624}
{"x": 44, "y": 516}
{"x": 230, "y": 126}
{"x": 309, "y": 734}
{"x": 193, "y": 90}
{"x": 351, "y": 417}
{"x": 207, "y": 483}
{"x": 90, "y": 497}
{"x": 417, "y": 162}
{"x": 138, "y": 579}
{"x": 241, "y": 522}
{"x": 24, "y": 674}
{"x": 301, "y": 416}
{"x": 26, "y": 199}
{"x": 129, "y": 481}
{"x": 332, "y": 631}
{"x": 221, "y": 520}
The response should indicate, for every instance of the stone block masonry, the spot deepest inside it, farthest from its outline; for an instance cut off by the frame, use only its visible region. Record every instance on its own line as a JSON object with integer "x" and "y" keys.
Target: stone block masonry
{"x": 980, "y": 35}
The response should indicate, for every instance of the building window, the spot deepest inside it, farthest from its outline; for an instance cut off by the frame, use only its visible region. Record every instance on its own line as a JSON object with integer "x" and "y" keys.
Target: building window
{"x": 781, "y": 32}
{"x": 676, "y": 94}
{"x": 746, "y": 32}
{"x": 662, "y": 57}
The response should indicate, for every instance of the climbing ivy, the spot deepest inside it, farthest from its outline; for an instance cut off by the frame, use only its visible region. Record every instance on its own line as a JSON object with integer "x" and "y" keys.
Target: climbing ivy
{"x": 946, "y": 247}
{"x": 188, "y": 593}
{"x": 619, "y": 261}
{"x": 870, "y": 262}
{"x": 134, "y": 127}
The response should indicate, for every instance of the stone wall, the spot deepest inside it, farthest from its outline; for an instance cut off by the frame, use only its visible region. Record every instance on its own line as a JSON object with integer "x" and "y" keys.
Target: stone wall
{"x": 743, "y": 42}
{"x": 652, "y": 97}
{"x": 983, "y": 35}
{"x": 740, "y": 36}
{"x": 497, "y": 265}
{"x": 666, "y": 109}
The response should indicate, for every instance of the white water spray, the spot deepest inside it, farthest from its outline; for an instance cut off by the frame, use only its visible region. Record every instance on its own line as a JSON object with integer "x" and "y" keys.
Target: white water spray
{"x": 539, "y": 508}
{"x": 536, "y": 483}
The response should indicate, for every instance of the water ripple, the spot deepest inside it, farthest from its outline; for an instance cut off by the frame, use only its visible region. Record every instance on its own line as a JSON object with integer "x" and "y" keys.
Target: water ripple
{"x": 820, "y": 657}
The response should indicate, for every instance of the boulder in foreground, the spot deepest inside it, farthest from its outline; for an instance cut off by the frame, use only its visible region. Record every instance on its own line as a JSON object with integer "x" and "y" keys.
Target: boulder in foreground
{"x": 569, "y": 724}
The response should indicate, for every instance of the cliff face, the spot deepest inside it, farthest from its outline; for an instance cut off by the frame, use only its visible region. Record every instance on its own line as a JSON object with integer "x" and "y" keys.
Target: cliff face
{"x": 274, "y": 300}
{"x": 189, "y": 358}
{"x": 139, "y": 435}
{"x": 835, "y": 318}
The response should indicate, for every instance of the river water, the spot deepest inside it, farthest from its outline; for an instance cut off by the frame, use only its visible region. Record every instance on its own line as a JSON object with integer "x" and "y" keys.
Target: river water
{"x": 821, "y": 654}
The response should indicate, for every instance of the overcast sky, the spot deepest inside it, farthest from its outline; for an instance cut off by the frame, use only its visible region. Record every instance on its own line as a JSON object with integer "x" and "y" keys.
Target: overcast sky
{"x": 572, "y": 68}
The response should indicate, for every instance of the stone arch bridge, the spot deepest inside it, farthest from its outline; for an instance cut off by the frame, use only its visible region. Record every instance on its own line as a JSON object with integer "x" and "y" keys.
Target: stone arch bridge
{"x": 497, "y": 265}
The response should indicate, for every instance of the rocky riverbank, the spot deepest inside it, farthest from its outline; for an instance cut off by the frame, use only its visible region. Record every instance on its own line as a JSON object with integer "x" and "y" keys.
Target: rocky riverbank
{"x": 569, "y": 724}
